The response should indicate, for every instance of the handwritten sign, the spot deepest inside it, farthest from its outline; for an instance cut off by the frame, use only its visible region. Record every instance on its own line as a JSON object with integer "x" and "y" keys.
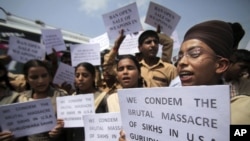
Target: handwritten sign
{"x": 159, "y": 15}
{"x": 103, "y": 40}
{"x": 28, "y": 118}
{"x": 23, "y": 50}
{"x": 181, "y": 113}
{"x": 52, "y": 38}
{"x": 64, "y": 73}
{"x": 85, "y": 53}
{"x": 72, "y": 108}
{"x": 104, "y": 127}
{"x": 130, "y": 44}
{"x": 126, "y": 18}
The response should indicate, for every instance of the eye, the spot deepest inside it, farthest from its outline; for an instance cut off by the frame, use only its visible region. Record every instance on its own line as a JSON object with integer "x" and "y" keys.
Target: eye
{"x": 33, "y": 77}
{"x": 131, "y": 68}
{"x": 194, "y": 53}
{"x": 120, "y": 69}
{"x": 179, "y": 56}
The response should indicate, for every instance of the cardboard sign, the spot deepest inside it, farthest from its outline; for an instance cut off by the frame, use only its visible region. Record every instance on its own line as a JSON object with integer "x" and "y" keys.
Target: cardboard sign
{"x": 85, "y": 53}
{"x": 160, "y": 15}
{"x": 72, "y": 108}
{"x": 64, "y": 73}
{"x": 176, "y": 114}
{"x": 103, "y": 40}
{"x": 52, "y": 38}
{"x": 126, "y": 18}
{"x": 130, "y": 44}
{"x": 23, "y": 50}
{"x": 102, "y": 127}
{"x": 28, "y": 118}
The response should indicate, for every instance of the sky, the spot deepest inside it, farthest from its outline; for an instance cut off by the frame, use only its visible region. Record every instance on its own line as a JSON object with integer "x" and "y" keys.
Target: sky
{"x": 85, "y": 16}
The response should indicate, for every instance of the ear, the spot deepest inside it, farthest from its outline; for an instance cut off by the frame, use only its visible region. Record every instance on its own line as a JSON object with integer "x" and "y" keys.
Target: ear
{"x": 222, "y": 65}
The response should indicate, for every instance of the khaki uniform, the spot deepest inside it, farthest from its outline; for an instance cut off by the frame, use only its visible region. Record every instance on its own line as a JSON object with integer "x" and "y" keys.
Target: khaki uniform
{"x": 113, "y": 103}
{"x": 158, "y": 75}
{"x": 9, "y": 97}
{"x": 240, "y": 113}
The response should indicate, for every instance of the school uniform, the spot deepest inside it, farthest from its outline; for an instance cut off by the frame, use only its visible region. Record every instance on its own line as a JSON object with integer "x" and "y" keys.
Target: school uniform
{"x": 158, "y": 75}
{"x": 240, "y": 113}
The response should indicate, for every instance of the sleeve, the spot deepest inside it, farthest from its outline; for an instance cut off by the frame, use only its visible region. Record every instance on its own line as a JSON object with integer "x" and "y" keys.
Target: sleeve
{"x": 167, "y": 47}
{"x": 109, "y": 64}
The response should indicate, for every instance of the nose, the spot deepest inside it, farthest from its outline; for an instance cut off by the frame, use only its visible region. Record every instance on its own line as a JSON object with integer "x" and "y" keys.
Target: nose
{"x": 125, "y": 71}
{"x": 80, "y": 77}
{"x": 182, "y": 61}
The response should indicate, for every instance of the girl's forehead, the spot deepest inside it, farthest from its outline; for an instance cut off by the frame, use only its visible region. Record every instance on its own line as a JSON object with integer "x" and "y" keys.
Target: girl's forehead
{"x": 192, "y": 43}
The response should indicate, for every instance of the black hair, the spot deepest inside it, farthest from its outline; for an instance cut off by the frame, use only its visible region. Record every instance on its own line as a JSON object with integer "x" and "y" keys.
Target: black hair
{"x": 141, "y": 81}
{"x": 146, "y": 34}
{"x": 240, "y": 55}
{"x": 90, "y": 68}
{"x": 5, "y": 77}
{"x": 35, "y": 63}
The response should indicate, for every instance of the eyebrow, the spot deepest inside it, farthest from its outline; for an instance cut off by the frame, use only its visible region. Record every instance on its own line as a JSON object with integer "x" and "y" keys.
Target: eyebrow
{"x": 190, "y": 48}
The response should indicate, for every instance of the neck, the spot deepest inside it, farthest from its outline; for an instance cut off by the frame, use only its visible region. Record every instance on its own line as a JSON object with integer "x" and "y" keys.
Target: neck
{"x": 151, "y": 61}
{"x": 40, "y": 95}
{"x": 92, "y": 90}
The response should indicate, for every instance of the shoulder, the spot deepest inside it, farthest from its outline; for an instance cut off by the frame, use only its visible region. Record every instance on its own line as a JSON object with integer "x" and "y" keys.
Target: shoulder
{"x": 112, "y": 97}
{"x": 240, "y": 113}
{"x": 59, "y": 92}
{"x": 241, "y": 99}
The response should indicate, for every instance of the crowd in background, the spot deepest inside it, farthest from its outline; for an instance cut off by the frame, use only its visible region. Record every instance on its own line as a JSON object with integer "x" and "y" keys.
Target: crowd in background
{"x": 209, "y": 55}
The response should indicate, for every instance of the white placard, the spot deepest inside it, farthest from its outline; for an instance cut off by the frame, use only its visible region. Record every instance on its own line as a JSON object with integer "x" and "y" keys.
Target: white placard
{"x": 28, "y": 118}
{"x": 175, "y": 37}
{"x": 160, "y": 15}
{"x": 23, "y": 50}
{"x": 64, "y": 73}
{"x": 52, "y": 38}
{"x": 85, "y": 53}
{"x": 176, "y": 114}
{"x": 102, "y": 127}
{"x": 126, "y": 18}
{"x": 130, "y": 44}
{"x": 72, "y": 109}
{"x": 103, "y": 40}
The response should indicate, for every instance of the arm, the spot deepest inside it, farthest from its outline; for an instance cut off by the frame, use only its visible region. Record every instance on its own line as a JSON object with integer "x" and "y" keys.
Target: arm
{"x": 167, "y": 45}
{"x": 109, "y": 59}
{"x": 167, "y": 48}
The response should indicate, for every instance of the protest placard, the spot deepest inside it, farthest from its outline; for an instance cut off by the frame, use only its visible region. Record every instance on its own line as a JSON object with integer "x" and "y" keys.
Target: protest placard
{"x": 28, "y": 118}
{"x": 52, "y": 38}
{"x": 177, "y": 114}
{"x": 130, "y": 44}
{"x": 23, "y": 50}
{"x": 160, "y": 15}
{"x": 72, "y": 109}
{"x": 85, "y": 53}
{"x": 64, "y": 73}
{"x": 126, "y": 18}
{"x": 104, "y": 127}
{"x": 103, "y": 40}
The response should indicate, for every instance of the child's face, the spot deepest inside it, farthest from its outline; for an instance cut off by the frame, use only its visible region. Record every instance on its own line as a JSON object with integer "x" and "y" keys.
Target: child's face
{"x": 149, "y": 47}
{"x": 127, "y": 73}
{"x": 38, "y": 79}
{"x": 197, "y": 64}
